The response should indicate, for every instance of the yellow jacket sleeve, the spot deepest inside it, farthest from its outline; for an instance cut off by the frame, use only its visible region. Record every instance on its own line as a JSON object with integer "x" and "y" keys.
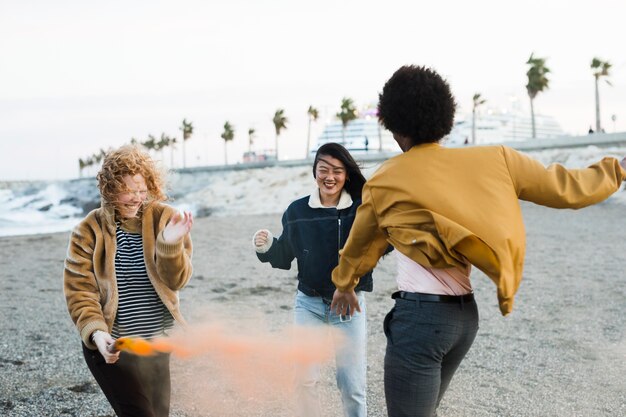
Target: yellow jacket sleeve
{"x": 559, "y": 187}
{"x": 366, "y": 243}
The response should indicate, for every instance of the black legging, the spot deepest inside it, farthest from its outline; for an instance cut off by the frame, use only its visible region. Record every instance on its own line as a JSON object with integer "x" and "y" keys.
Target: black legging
{"x": 135, "y": 386}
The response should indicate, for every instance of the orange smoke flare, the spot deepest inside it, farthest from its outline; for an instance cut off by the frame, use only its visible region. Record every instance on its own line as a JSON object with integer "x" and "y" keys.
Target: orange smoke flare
{"x": 142, "y": 347}
{"x": 135, "y": 345}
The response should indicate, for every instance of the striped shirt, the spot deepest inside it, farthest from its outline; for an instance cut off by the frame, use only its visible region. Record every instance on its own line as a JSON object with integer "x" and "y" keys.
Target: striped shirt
{"x": 140, "y": 311}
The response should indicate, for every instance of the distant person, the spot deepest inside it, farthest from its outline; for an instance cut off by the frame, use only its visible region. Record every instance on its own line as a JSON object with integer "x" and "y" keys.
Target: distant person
{"x": 590, "y": 130}
{"x": 125, "y": 263}
{"x": 445, "y": 209}
{"x": 315, "y": 228}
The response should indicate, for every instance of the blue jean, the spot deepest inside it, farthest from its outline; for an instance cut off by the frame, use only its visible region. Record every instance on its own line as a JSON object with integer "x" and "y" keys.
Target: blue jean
{"x": 426, "y": 343}
{"x": 351, "y": 359}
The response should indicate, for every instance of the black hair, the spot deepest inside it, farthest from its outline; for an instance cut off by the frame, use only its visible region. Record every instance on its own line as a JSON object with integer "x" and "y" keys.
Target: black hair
{"x": 416, "y": 102}
{"x": 354, "y": 178}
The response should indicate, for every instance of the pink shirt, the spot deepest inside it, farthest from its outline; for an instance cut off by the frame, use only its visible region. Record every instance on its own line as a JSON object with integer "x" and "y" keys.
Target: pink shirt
{"x": 413, "y": 277}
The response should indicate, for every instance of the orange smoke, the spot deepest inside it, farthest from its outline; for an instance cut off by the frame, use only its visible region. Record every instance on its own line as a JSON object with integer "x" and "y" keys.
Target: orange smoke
{"x": 239, "y": 367}
{"x": 300, "y": 345}
{"x": 135, "y": 345}
{"x": 142, "y": 347}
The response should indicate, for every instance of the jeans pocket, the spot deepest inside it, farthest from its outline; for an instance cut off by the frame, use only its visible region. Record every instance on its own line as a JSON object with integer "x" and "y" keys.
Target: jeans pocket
{"x": 386, "y": 322}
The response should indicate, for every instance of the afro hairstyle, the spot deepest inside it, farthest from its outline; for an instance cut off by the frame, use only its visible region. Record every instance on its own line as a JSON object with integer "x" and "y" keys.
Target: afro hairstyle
{"x": 416, "y": 102}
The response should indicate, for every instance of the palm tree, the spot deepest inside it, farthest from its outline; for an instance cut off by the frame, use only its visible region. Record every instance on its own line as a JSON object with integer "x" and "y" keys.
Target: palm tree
{"x": 313, "y": 116}
{"x": 187, "y": 130}
{"x": 89, "y": 161}
{"x": 477, "y": 102}
{"x": 163, "y": 143}
{"x": 346, "y": 115}
{"x": 251, "y": 132}
{"x": 600, "y": 69}
{"x": 227, "y": 135}
{"x": 150, "y": 143}
{"x": 280, "y": 123}
{"x": 537, "y": 82}
{"x": 98, "y": 157}
{"x": 81, "y": 165}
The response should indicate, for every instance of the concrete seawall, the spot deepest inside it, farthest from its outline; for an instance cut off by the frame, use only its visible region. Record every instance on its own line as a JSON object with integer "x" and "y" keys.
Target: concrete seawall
{"x": 602, "y": 140}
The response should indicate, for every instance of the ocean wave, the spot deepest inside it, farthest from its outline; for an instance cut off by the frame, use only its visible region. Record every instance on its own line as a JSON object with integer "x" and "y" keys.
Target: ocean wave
{"x": 32, "y": 208}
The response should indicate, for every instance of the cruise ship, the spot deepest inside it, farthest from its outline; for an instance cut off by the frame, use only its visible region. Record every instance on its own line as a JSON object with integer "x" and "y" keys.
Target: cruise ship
{"x": 502, "y": 126}
{"x": 365, "y": 134}
{"x": 362, "y": 135}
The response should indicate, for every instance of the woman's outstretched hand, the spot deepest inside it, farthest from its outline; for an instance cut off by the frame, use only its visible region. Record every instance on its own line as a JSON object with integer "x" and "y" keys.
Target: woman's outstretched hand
{"x": 178, "y": 227}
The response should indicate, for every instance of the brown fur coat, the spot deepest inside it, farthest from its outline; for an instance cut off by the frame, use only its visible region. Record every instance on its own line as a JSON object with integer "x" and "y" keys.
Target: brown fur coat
{"x": 90, "y": 284}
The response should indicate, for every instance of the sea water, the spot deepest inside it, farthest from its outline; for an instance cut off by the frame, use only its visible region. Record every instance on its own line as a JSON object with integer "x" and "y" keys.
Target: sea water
{"x": 33, "y": 208}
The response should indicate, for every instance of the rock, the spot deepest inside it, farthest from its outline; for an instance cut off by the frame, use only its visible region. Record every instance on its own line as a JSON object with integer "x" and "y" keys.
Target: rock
{"x": 72, "y": 201}
{"x": 87, "y": 206}
{"x": 203, "y": 212}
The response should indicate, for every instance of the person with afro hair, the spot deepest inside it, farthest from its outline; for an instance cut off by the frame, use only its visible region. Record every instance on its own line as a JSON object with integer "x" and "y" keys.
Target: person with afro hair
{"x": 444, "y": 210}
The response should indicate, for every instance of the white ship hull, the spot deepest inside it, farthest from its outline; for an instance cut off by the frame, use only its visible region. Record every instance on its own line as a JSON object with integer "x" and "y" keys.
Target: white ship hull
{"x": 503, "y": 127}
{"x": 361, "y": 136}
{"x": 365, "y": 135}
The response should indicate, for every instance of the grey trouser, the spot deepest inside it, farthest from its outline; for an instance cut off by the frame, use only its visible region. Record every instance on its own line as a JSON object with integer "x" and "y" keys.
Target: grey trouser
{"x": 426, "y": 342}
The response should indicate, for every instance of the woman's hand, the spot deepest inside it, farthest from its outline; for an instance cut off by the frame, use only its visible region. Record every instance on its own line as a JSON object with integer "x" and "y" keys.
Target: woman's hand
{"x": 178, "y": 227}
{"x": 262, "y": 241}
{"x": 260, "y": 238}
{"x": 103, "y": 340}
{"x": 345, "y": 303}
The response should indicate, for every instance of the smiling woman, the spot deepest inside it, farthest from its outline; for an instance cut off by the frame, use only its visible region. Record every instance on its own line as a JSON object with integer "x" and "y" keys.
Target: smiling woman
{"x": 129, "y": 202}
{"x": 129, "y": 178}
{"x": 125, "y": 264}
{"x": 315, "y": 228}
{"x": 330, "y": 175}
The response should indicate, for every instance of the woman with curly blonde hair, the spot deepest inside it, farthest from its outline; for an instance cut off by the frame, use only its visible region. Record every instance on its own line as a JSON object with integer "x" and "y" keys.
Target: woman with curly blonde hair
{"x": 125, "y": 264}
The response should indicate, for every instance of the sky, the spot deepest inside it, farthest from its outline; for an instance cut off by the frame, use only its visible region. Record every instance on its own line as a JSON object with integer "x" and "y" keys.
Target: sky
{"x": 77, "y": 77}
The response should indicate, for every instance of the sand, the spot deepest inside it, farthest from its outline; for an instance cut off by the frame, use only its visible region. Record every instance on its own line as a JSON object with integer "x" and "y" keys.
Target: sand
{"x": 560, "y": 353}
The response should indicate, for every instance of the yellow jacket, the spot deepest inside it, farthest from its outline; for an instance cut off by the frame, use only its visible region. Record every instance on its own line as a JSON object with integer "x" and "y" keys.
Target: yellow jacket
{"x": 446, "y": 207}
{"x": 90, "y": 284}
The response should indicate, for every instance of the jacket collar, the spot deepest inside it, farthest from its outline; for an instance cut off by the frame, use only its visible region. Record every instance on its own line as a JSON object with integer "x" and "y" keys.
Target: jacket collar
{"x": 345, "y": 200}
{"x": 430, "y": 145}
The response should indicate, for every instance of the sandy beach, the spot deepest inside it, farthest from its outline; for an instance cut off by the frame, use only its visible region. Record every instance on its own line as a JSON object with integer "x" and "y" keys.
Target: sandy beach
{"x": 560, "y": 353}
